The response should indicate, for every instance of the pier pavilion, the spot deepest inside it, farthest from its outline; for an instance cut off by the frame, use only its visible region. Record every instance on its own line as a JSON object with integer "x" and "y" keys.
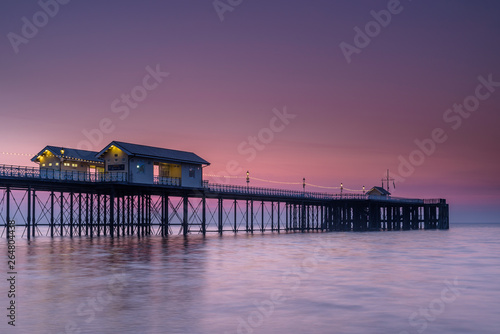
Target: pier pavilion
{"x": 153, "y": 165}
{"x": 68, "y": 163}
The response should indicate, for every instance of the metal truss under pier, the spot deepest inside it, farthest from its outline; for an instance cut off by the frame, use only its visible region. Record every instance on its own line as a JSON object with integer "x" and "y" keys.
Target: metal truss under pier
{"x": 82, "y": 208}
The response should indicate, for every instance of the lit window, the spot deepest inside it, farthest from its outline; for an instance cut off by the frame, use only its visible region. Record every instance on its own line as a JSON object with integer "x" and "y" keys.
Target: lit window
{"x": 66, "y": 164}
{"x": 57, "y": 164}
{"x": 43, "y": 165}
{"x": 74, "y": 165}
{"x": 50, "y": 164}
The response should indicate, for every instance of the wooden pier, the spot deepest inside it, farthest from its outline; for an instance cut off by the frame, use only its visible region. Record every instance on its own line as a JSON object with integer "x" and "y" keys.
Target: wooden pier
{"x": 79, "y": 204}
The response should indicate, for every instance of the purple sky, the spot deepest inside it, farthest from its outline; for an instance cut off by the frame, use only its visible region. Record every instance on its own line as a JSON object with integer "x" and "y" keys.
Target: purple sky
{"x": 352, "y": 120}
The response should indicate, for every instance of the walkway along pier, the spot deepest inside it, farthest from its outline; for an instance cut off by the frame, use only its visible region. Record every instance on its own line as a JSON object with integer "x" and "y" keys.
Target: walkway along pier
{"x": 108, "y": 203}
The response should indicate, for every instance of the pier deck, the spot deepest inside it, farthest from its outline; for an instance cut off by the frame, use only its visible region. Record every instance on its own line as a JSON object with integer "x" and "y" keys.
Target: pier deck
{"x": 84, "y": 204}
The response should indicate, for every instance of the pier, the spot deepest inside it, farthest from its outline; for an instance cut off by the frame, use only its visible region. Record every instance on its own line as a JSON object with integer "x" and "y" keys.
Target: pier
{"x": 75, "y": 203}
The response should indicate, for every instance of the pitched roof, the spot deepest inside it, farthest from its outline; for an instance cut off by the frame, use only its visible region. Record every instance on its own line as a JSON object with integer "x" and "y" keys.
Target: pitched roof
{"x": 69, "y": 153}
{"x": 156, "y": 152}
{"x": 381, "y": 190}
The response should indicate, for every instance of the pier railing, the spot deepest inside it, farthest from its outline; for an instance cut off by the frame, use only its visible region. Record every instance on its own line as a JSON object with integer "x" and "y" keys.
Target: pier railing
{"x": 24, "y": 172}
{"x": 167, "y": 181}
{"x": 243, "y": 190}
{"x": 64, "y": 175}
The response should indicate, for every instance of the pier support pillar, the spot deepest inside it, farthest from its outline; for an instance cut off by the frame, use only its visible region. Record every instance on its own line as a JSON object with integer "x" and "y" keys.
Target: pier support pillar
{"x": 433, "y": 210}
{"x": 7, "y": 211}
{"x": 272, "y": 216}
{"x": 427, "y": 217}
{"x": 185, "y": 218}
{"x": 287, "y": 208}
{"x": 91, "y": 215}
{"x": 414, "y": 217}
{"x": 220, "y": 212}
{"x": 71, "y": 219}
{"x": 279, "y": 217}
{"x": 406, "y": 218}
{"x": 61, "y": 220}
{"x": 28, "y": 219}
{"x": 235, "y": 229}
{"x": 112, "y": 215}
{"x": 33, "y": 214}
{"x": 443, "y": 222}
{"x": 52, "y": 214}
{"x": 262, "y": 207}
{"x": 389, "y": 218}
{"x": 251, "y": 214}
{"x": 247, "y": 217}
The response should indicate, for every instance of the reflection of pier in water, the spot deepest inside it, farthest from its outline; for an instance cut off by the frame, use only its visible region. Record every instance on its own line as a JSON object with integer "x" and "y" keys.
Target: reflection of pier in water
{"x": 94, "y": 280}
{"x": 108, "y": 206}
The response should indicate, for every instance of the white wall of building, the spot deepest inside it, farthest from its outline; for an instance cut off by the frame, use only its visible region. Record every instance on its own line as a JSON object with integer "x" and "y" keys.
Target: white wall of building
{"x": 191, "y": 176}
{"x": 115, "y": 159}
{"x": 141, "y": 171}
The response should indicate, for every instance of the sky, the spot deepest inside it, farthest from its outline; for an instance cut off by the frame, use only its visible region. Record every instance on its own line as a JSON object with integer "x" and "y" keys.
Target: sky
{"x": 330, "y": 91}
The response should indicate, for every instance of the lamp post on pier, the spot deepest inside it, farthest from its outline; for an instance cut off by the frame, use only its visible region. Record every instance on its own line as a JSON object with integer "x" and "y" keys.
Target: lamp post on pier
{"x": 248, "y": 180}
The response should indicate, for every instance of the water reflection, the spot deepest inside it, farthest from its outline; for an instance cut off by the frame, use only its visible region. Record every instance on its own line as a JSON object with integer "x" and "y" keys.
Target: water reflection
{"x": 67, "y": 284}
{"x": 328, "y": 283}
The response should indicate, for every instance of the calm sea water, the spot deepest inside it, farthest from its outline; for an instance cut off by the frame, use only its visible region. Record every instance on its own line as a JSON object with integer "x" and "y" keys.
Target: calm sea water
{"x": 375, "y": 282}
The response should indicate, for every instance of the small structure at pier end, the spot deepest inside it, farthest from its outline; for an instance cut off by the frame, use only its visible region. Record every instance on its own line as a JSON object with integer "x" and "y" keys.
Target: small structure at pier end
{"x": 378, "y": 191}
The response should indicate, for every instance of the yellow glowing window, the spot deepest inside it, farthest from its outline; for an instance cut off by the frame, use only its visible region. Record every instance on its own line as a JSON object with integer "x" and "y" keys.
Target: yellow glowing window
{"x": 50, "y": 164}
{"x": 57, "y": 164}
{"x": 43, "y": 165}
{"x": 66, "y": 164}
{"x": 74, "y": 165}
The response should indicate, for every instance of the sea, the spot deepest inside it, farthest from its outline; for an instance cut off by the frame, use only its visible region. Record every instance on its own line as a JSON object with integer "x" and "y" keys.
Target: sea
{"x": 401, "y": 282}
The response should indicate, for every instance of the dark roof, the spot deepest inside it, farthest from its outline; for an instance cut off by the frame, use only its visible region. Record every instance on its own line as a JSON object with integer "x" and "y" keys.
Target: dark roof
{"x": 70, "y": 153}
{"x": 156, "y": 152}
{"x": 381, "y": 190}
